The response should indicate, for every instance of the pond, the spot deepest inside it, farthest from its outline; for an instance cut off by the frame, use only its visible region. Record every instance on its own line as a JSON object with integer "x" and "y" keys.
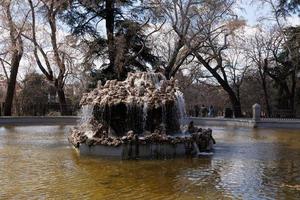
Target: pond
{"x": 36, "y": 162}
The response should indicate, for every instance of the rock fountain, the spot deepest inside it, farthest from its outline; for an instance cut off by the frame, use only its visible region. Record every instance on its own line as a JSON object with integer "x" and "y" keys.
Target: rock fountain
{"x": 139, "y": 117}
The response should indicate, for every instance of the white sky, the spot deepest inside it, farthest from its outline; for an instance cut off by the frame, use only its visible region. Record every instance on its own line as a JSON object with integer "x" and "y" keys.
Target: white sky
{"x": 253, "y": 12}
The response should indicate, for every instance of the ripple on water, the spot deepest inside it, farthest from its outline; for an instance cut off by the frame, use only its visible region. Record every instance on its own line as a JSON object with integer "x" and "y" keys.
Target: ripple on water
{"x": 38, "y": 163}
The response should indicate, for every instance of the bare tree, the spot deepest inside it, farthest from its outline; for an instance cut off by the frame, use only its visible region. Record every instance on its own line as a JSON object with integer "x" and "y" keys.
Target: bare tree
{"x": 171, "y": 47}
{"x": 202, "y": 29}
{"x": 53, "y": 65}
{"x": 258, "y": 48}
{"x": 236, "y": 64}
{"x": 283, "y": 70}
{"x": 214, "y": 22}
{"x": 285, "y": 54}
{"x": 14, "y": 27}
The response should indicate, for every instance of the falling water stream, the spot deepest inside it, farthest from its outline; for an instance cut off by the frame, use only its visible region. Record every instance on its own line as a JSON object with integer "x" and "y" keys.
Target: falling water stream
{"x": 86, "y": 113}
{"x": 143, "y": 102}
{"x": 181, "y": 107}
{"x": 145, "y": 114}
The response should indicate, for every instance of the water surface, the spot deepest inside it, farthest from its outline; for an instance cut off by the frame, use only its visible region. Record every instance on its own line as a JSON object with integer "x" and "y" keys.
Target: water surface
{"x": 36, "y": 162}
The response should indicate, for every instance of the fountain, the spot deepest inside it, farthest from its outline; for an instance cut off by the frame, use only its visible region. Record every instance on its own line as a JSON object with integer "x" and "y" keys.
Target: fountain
{"x": 139, "y": 117}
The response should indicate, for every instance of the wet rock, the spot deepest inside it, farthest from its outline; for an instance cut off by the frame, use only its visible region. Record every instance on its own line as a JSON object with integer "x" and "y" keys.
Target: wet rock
{"x": 143, "y": 109}
{"x": 120, "y": 104}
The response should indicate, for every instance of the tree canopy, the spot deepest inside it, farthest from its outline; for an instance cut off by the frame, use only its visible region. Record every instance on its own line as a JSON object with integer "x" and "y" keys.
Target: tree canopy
{"x": 114, "y": 34}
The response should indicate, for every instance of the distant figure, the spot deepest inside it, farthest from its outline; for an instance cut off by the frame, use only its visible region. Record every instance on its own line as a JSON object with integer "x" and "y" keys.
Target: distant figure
{"x": 211, "y": 111}
{"x": 197, "y": 110}
{"x": 191, "y": 128}
{"x": 203, "y": 111}
{"x": 191, "y": 112}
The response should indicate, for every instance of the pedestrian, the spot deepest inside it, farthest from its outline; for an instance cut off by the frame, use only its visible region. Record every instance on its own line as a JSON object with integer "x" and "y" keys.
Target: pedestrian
{"x": 203, "y": 111}
{"x": 196, "y": 110}
{"x": 211, "y": 111}
{"x": 191, "y": 128}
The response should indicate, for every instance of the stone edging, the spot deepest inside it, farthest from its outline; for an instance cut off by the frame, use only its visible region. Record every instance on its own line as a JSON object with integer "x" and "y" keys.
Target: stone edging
{"x": 73, "y": 120}
{"x": 38, "y": 120}
{"x": 247, "y": 122}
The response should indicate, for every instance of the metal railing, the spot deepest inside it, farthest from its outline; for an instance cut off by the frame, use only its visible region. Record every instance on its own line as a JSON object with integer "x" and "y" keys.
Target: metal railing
{"x": 283, "y": 113}
{"x": 40, "y": 109}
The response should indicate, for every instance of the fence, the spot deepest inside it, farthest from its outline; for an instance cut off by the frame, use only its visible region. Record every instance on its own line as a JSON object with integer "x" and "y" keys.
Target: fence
{"x": 247, "y": 113}
{"x": 40, "y": 109}
{"x": 283, "y": 113}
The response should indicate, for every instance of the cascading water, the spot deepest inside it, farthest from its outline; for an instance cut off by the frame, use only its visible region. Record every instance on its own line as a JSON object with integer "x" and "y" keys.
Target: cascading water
{"x": 181, "y": 107}
{"x": 156, "y": 79}
{"x": 143, "y": 102}
{"x": 86, "y": 113}
{"x": 144, "y": 110}
{"x": 164, "y": 114}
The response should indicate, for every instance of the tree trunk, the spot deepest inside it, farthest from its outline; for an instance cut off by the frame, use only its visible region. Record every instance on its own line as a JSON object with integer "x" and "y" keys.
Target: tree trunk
{"x": 59, "y": 85}
{"x": 110, "y": 24}
{"x": 167, "y": 73}
{"x": 17, "y": 47}
{"x": 293, "y": 90}
{"x": 62, "y": 102}
{"x": 236, "y": 106}
{"x": 59, "y": 82}
{"x": 15, "y": 62}
{"x": 292, "y": 101}
{"x": 289, "y": 95}
{"x": 266, "y": 97}
{"x": 168, "y": 69}
{"x": 235, "y": 102}
{"x": 234, "y": 98}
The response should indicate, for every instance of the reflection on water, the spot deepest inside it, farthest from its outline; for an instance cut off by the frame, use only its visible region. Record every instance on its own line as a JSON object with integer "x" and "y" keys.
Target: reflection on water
{"x": 37, "y": 162}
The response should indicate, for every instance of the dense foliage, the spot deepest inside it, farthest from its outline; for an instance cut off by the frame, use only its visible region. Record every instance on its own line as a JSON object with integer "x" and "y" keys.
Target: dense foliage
{"x": 113, "y": 34}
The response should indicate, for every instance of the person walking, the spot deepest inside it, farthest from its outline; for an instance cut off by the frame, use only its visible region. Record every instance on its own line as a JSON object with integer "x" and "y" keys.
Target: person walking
{"x": 211, "y": 111}
{"x": 203, "y": 111}
{"x": 196, "y": 107}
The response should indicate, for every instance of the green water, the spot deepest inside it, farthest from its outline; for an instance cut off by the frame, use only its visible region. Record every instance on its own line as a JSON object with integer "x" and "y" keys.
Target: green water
{"x": 36, "y": 162}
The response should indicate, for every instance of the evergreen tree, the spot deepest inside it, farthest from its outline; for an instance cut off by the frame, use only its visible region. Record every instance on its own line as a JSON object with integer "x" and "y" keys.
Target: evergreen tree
{"x": 112, "y": 33}
{"x": 287, "y": 6}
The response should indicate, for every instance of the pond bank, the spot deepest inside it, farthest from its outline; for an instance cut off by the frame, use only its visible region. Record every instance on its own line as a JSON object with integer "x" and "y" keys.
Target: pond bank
{"x": 38, "y": 120}
{"x": 204, "y": 121}
{"x": 247, "y": 122}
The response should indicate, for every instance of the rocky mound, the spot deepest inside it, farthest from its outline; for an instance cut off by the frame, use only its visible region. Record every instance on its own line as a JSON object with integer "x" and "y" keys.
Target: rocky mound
{"x": 144, "y": 109}
{"x": 141, "y": 103}
{"x": 94, "y": 133}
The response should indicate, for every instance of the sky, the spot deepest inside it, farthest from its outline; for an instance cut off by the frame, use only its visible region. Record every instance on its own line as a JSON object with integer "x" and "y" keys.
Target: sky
{"x": 253, "y": 12}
